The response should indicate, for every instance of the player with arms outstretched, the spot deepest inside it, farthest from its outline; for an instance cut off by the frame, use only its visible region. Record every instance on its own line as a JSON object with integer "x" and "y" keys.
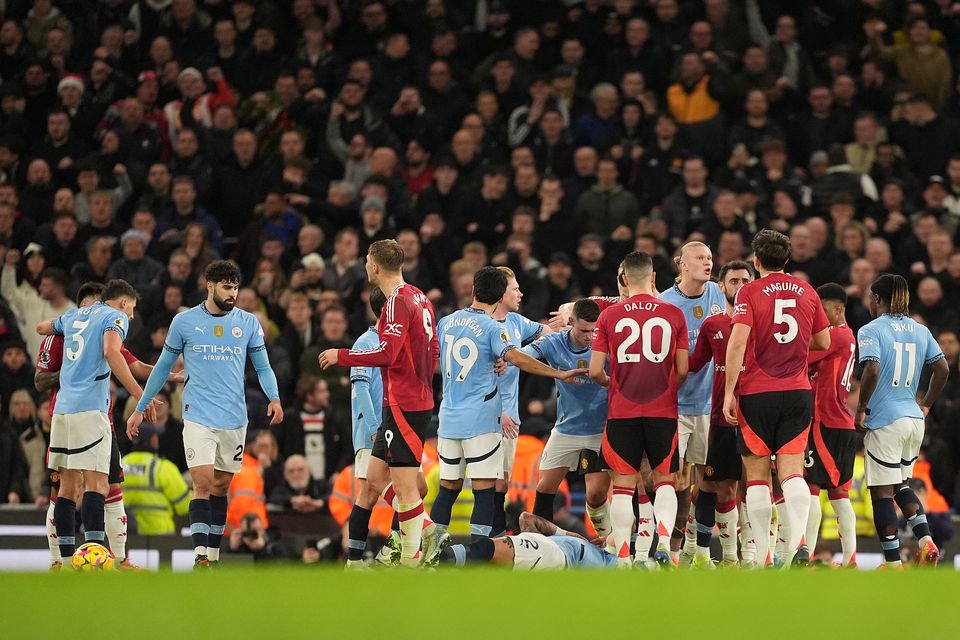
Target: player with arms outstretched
{"x": 581, "y": 415}
{"x": 80, "y": 435}
{"x": 646, "y": 340}
{"x": 722, "y": 469}
{"x": 776, "y": 320}
{"x": 407, "y": 355}
{"x": 471, "y": 435}
{"x": 894, "y": 351}
{"x": 832, "y": 447}
{"x": 215, "y": 339}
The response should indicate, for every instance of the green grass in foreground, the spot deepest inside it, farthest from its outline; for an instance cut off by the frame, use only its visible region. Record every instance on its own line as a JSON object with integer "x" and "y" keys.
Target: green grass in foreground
{"x": 481, "y": 603}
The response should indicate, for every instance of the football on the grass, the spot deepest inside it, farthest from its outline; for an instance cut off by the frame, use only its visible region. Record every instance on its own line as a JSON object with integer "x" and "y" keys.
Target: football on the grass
{"x": 92, "y": 556}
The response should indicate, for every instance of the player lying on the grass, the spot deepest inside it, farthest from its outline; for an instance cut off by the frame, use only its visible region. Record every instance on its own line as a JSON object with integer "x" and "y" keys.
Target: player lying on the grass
{"x": 540, "y": 545}
{"x": 894, "y": 351}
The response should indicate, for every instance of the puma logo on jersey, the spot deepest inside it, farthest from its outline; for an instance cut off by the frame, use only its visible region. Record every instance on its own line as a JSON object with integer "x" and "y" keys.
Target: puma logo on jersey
{"x": 199, "y": 330}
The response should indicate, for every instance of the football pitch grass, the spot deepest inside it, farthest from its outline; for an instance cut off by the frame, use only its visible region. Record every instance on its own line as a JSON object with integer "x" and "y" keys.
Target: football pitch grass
{"x": 490, "y": 603}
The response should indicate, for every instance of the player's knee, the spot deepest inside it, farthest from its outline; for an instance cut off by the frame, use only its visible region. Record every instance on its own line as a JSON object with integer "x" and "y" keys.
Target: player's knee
{"x": 596, "y": 496}
{"x": 421, "y": 486}
{"x": 726, "y": 491}
{"x": 501, "y": 486}
{"x": 838, "y": 494}
{"x": 452, "y": 485}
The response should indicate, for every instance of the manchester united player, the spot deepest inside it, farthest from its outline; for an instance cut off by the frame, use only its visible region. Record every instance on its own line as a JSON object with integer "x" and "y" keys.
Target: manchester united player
{"x": 776, "y": 320}
{"x": 646, "y": 340}
{"x": 407, "y": 354}
{"x": 723, "y": 466}
{"x": 833, "y": 441}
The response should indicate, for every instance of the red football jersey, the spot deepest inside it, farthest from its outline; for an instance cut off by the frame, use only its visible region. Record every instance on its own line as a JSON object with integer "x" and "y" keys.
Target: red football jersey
{"x": 51, "y": 360}
{"x": 712, "y": 343}
{"x": 605, "y": 302}
{"x": 642, "y": 336}
{"x": 408, "y": 350}
{"x": 783, "y": 312}
{"x": 830, "y": 374}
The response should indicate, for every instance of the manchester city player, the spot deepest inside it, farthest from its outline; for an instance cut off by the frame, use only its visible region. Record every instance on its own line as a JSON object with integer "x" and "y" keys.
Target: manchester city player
{"x": 581, "y": 416}
{"x": 471, "y": 436}
{"x": 215, "y": 339}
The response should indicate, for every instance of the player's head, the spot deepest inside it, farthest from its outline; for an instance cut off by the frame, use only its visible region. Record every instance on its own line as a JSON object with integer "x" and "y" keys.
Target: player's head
{"x": 384, "y": 258}
{"x": 89, "y": 293}
{"x": 833, "y": 297}
{"x": 489, "y": 285}
{"x": 890, "y": 294}
{"x": 585, "y": 314}
{"x": 694, "y": 263}
{"x": 512, "y": 296}
{"x": 223, "y": 284}
{"x": 121, "y": 295}
{"x": 377, "y": 300}
{"x": 732, "y": 277}
{"x": 771, "y": 250}
{"x": 636, "y": 273}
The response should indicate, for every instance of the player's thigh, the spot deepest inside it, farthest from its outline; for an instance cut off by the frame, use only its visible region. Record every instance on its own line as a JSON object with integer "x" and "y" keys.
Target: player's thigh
{"x": 230, "y": 444}
{"x": 722, "y": 462}
{"x": 623, "y": 445}
{"x": 913, "y": 440}
{"x": 882, "y": 449}
{"x": 563, "y": 450}
{"x": 453, "y": 464}
{"x": 483, "y": 456}
{"x": 598, "y": 486}
{"x": 535, "y": 551}
{"x": 697, "y": 443}
{"x": 757, "y": 416}
{"x": 361, "y": 464}
{"x": 85, "y": 442}
{"x": 403, "y": 435}
{"x": 509, "y": 453}
{"x": 793, "y": 425}
{"x": 199, "y": 444}
{"x": 660, "y": 445}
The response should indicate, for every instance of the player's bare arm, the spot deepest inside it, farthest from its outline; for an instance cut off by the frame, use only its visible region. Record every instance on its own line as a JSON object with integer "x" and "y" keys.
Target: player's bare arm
{"x": 940, "y": 371}
{"x": 820, "y": 341}
{"x": 46, "y": 380}
{"x": 682, "y": 364}
{"x": 45, "y": 328}
{"x": 533, "y": 366}
{"x": 868, "y": 384}
{"x": 598, "y": 359}
{"x": 736, "y": 348}
{"x": 112, "y": 343}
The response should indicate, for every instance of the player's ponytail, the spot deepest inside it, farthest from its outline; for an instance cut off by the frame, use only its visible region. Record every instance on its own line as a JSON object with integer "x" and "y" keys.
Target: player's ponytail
{"x": 679, "y": 276}
{"x": 894, "y": 292}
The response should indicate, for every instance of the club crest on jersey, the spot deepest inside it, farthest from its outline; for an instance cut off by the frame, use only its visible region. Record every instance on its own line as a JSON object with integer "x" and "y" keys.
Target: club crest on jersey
{"x": 715, "y": 309}
{"x": 698, "y": 312}
{"x": 218, "y": 330}
{"x": 236, "y": 332}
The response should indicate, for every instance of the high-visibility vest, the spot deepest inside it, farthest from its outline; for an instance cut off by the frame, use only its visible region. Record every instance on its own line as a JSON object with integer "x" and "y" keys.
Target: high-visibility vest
{"x": 246, "y": 495}
{"x": 343, "y": 496}
{"x": 859, "y": 499}
{"x": 936, "y": 503}
{"x": 153, "y": 492}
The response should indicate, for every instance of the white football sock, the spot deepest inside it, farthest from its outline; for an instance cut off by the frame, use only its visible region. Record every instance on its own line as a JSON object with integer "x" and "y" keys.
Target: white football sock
{"x": 847, "y": 527}
{"x": 621, "y": 523}
{"x": 115, "y": 524}
{"x": 645, "y": 529}
{"x": 411, "y": 532}
{"x": 759, "y": 512}
{"x": 52, "y": 534}
{"x": 813, "y": 524}
{"x": 796, "y": 502}
{"x": 748, "y": 546}
{"x": 600, "y": 517}
{"x": 727, "y": 528}
{"x": 665, "y": 511}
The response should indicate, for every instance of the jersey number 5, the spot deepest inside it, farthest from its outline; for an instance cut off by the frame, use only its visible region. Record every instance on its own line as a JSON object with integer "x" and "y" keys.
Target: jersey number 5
{"x": 646, "y": 333}
{"x": 73, "y": 351}
{"x": 780, "y": 317}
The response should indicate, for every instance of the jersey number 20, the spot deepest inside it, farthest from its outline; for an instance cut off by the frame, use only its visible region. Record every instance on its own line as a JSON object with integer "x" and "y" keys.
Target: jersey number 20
{"x": 646, "y": 333}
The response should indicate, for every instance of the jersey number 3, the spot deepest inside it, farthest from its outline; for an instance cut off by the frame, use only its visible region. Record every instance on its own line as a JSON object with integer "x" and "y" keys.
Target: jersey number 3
{"x": 74, "y": 350}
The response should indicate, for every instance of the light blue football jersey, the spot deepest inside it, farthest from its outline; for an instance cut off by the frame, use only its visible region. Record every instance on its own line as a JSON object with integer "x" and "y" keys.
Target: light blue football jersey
{"x": 470, "y": 343}
{"x": 85, "y": 374}
{"x": 581, "y": 408}
{"x": 695, "y": 394}
{"x": 580, "y": 554}
{"x": 522, "y": 331}
{"x": 902, "y": 347}
{"x": 365, "y": 426}
{"x": 214, "y": 349}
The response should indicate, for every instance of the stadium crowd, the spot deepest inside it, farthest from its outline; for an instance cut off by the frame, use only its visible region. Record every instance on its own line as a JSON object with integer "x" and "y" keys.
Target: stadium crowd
{"x": 142, "y": 139}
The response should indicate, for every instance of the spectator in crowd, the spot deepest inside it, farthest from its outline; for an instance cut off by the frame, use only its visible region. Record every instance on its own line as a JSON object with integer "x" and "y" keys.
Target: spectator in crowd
{"x": 14, "y": 468}
{"x": 300, "y": 492}
{"x": 316, "y": 429}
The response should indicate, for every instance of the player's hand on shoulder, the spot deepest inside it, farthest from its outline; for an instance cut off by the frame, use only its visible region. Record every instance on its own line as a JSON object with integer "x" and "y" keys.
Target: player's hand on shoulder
{"x": 275, "y": 412}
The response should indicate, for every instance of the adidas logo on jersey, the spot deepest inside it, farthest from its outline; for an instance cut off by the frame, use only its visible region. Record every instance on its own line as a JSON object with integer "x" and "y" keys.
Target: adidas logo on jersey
{"x": 718, "y": 335}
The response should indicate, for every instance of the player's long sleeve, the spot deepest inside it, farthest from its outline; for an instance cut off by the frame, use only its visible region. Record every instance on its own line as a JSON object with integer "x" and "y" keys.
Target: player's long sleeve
{"x": 702, "y": 354}
{"x": 265, "y": 374}
{"x": 383, "y": 355}
{"x": 365, "y": 406}
{"x": 157, "y": 379}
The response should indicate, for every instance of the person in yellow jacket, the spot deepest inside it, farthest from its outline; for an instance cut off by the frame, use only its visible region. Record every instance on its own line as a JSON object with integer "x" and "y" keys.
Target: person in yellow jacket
{"x": 154, "y": 489}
